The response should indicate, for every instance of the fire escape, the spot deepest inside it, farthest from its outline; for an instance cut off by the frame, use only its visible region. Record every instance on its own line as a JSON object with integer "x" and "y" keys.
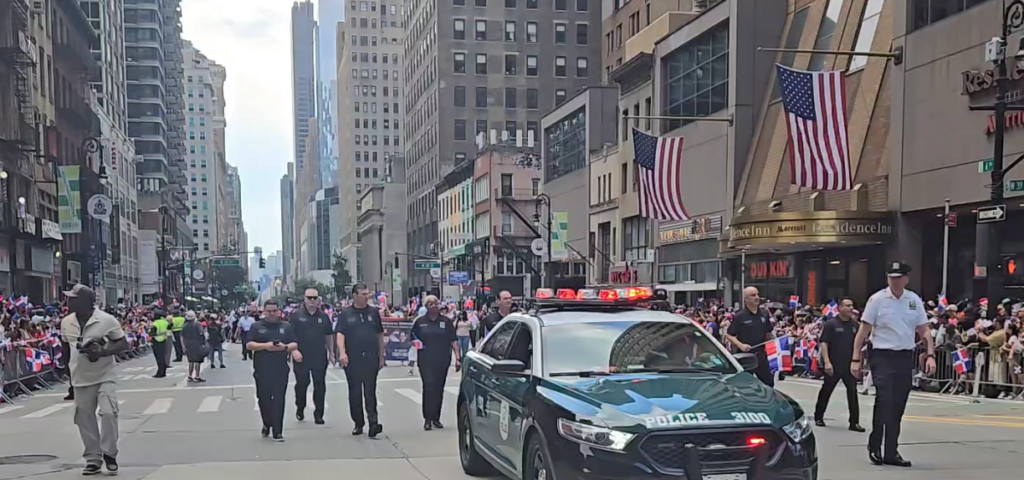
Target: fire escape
{"x": 18, "y": 142}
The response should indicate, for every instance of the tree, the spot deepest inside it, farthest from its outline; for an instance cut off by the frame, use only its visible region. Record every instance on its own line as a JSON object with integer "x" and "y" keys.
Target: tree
{"x": 229, "y": 278}
{"x": 303, "y": 284}
{"x": 340, "y": 276}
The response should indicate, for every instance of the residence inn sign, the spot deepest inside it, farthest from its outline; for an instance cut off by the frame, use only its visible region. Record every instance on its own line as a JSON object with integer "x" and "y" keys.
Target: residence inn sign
{"x": 818, "y": 228}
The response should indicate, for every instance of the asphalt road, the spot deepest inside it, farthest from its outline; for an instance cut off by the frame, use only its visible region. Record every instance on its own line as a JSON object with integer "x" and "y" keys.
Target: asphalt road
{"x": 172, "y": 430}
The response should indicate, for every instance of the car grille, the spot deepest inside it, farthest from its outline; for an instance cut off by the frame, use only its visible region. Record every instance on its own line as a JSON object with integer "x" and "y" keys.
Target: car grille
{"x": 717, "y": 449}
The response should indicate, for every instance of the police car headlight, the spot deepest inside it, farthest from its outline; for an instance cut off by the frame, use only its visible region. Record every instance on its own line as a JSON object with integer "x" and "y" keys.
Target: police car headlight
{"x": 800, "y": 429}
{"x": 597, "y": 437}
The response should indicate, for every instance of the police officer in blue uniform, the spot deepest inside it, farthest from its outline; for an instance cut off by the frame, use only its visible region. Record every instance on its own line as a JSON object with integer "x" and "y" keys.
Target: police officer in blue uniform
{"x": 315, "y": 337}
{"x": 891, "y": 319}
{"x": 360, "y": 338}
{"x": 436, "y": 334}
{"x": 272, "y": 342}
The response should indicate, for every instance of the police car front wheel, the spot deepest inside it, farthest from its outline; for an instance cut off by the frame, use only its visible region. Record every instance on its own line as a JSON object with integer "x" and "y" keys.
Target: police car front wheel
{"x": 538, "y": 460}
{"x": 473, "y": 464}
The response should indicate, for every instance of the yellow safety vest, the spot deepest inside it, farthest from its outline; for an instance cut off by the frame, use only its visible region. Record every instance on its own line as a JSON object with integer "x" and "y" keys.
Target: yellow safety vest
{"x": 179, "y": 323}
{"x": 161, "y": 330}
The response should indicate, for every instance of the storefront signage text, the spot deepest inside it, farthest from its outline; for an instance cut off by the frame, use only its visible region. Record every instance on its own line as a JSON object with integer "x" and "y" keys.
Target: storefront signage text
{"x": 1014, "y": 120}
{"x": 975, "y": 81}
{"x": 810, "y": 228}
{"x": 624, "y": 276}
{"x": 770, "y": 269}
{"x": 696, "y": 229}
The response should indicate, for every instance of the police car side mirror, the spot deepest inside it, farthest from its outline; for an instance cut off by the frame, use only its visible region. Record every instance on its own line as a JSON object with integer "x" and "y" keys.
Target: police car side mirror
{"x": 508, "y": 367}
{"x": 748, "y": 361}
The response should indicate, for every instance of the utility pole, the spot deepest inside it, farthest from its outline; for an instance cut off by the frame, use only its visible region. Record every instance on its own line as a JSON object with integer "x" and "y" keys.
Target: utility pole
{"x": 995, "y": 52}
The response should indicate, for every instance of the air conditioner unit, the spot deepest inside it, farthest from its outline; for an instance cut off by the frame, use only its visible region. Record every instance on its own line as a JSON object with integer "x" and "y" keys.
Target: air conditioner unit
{"x": 37, "y": 7}
{"x": 700, "y": 5}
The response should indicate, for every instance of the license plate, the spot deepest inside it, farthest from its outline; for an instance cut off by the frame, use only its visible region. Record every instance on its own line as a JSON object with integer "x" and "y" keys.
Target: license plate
{"x": 726, "y": 476}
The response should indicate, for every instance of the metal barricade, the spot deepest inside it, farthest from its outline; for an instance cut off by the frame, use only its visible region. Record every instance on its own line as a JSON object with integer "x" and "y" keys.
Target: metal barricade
{"x": 990, "y": 372}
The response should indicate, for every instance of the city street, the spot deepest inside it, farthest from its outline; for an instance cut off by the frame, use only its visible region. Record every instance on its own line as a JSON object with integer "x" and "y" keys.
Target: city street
{"x": 171, "y": 430}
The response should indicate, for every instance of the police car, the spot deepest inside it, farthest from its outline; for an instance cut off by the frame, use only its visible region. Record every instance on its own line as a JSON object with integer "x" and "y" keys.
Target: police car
{"x": 587, "y": 385}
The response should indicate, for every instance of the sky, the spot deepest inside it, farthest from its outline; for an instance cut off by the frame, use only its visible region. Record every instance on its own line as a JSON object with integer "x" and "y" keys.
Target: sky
{"x": 251, "y": 39}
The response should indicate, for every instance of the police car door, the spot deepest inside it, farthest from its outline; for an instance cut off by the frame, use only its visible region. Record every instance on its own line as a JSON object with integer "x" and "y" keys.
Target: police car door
{"x": 489, "y": 403}
{"x": 511, "y": 392}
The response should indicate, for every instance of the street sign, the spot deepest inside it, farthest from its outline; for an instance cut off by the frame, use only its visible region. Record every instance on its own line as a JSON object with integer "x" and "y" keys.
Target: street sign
{"x": 240, "y": 288}
{"x": 951, "y": 220}
{"x": 1015, "y": 186}
{"x": 436, "y": 273}
{"x": 226, "y": 262}
{"x": 458, "y": 278}
{"x": 986, "y": 166}
{"x": 992, "y": 213}
{"x": 426, "y": 264}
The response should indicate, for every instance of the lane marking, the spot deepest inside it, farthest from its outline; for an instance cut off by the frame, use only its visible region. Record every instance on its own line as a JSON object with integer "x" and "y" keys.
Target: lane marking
{"x": 210, "y": 404}
{"x": 220, "y": 387}
{"x": 160, "y": 405}
{"x": 452, "y": 390}
{"x": 48, "y": 410}
{"x": 10, "y": 408}
{"x": 410, "y": 394}
{"x": 958, "y": 421}
{"x": 256, "y": 407}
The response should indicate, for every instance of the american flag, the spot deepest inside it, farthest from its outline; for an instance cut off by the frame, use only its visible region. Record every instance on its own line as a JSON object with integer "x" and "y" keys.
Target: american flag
{"x": 815, "y": 104}
{"x": 660, "y": 168}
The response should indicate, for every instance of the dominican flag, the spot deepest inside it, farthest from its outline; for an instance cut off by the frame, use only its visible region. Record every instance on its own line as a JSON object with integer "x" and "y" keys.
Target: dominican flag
{"x": 831, "y": 310}
{"x": 801, "y": 350}
{"x": 779, "y": 358}
{"x": 943, "y": 302}
{"x": 794, "y": 301}
{"x": 36, "y": 359}
{"x": 962, "y": 361}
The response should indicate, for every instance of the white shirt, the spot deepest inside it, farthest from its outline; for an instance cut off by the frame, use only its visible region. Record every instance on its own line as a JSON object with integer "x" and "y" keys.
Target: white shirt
{"x": 246, "y": 323}
{"x": 894, "y": 320}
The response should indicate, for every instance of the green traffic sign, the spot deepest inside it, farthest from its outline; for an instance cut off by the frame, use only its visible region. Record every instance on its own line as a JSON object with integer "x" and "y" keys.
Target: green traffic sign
{"x": 241, "y": 288}
{"x": 986, "y": 166}
{"x": 1015, "y": 186}
{"x": 426, "y": 264}
{"x": 227, "y": 262}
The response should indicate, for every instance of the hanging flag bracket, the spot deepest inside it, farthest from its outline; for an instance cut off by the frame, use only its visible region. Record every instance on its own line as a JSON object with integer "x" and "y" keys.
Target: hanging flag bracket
{"x": 896, "y": 54}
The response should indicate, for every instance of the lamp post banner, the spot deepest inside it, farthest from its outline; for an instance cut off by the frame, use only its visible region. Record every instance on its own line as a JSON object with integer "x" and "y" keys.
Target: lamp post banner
{"x": 69, "y": 199}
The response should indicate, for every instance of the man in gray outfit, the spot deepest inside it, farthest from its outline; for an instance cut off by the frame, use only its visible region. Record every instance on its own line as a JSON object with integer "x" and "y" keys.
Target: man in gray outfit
{"x": 95, "y": 338}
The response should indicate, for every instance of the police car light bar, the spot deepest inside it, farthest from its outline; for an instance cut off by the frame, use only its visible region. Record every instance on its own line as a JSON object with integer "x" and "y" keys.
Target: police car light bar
{"x": 616, "y": 295}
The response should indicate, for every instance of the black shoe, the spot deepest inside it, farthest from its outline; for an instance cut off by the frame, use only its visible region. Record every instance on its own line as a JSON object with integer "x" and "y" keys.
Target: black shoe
{"x": 160, "y": 376}
{"x": 897, "y": 461}
{"x": 875, "y": 456}
{"x": 375, "y": 430}
{"x": 111, "y": 463}
{"x": 265, "y": 432}
{"x": 200, "y": 380}
{"x": 69, "y": 397}
{"x": 436, "y": 424}
{"x": 300, "y": 415}
{"x": 427, "y": 426}
{"x": 278, "y": 437}
{"x": 819, "y": 422}
{"x": 223, "y": 366}
{"x": 357, "y": 431}
{"x": 318, "y": 420}
{"x": 857, "y": 428}
{"x": 92, "y": 469}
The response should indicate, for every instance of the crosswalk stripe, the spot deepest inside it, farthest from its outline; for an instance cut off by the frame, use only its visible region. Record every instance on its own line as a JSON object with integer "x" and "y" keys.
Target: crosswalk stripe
{"x": 452, "y": 390}
{"x": 410, "y": 394}
{"x": 210, "y": 404}
{"x": 257, "y": 406}
{"x": 48, "y": 410}
{"x": 160, "y": 405}
{"x": 10, "y": 408}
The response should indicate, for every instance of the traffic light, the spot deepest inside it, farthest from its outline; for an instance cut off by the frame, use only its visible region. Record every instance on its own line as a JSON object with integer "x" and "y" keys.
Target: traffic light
{"x": 263, "y": 262}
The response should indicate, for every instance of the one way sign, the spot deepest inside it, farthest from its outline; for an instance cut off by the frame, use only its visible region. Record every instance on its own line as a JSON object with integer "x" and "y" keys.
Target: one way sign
{"x": 992, "y": 213}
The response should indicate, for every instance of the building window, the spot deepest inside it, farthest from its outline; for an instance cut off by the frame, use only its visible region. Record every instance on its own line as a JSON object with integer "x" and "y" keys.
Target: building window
{"x": 460, "y": 98}
{"x": 531, "y": 98}
{"x": 481, "y": 97}
{"x": 581, "y": 68}
{"x": 510, "y": 31}
{"x": 927, "y": 12}
{"x": 582, "y": 34}
{"x": 531, "y": 4}
{"x": 531, "y": 65}
{"x": 634, "y": 239}
{"x": 459, "y": 29}
{"x": 460, "y": 129}
{"x": 560, "y": 29}
{"x": 825, "y": 33}
{"x": 481, "y": 3}
{"x": 560, "y": 66}
{"x": 510, "y": 97}
{"x": 560, "y": 5}
{"x": 510, "y": 3}
{"x": 481, "y": 30}
{"x": 796, "y": 31}
{"x": 460, "y": 62}
{"x": 531, "y": 32}
{"x": 697, "y": 77}
{"x": 510, "y": 63}
{"x": 559, "y": 96}
{"x": 866, "y": 34}
{"x": 565, "y": 142}
{"x": 582, "y": 6}
{"x": 481, "y": 64}
{"x": 506, "y": 222}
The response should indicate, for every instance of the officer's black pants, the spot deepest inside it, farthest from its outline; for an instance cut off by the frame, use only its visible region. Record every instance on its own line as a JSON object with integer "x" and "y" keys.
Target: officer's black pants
{"x": 763, "y": 372}
{"x": 303, "y": 371}
{"x": 270, "y": 391}
{"x": 179, "y": 350}
{"x": 361, "y": 374}
{"x": 246, "y": 354}
{"x": 160, "y": 353}
{"x": 433, "y": 373}
{"x": 892, "y": 374}
{"x": 840, "y": 374}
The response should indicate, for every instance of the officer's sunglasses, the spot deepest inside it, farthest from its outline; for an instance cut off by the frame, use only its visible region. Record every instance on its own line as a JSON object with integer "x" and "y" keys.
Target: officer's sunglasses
{"x": 314, "y": 297}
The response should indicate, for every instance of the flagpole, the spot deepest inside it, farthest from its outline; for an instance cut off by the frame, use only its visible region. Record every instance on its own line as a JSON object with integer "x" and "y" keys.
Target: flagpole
{"x": 945, "y": 248}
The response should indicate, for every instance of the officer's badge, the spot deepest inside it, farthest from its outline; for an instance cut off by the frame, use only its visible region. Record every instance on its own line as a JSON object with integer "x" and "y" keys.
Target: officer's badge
{"x": 913, "y": 305}
{"x": 280, "y": 330}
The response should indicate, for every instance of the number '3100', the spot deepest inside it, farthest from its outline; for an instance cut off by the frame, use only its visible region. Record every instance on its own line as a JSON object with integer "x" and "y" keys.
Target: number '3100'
{"x": 751, "y": 417}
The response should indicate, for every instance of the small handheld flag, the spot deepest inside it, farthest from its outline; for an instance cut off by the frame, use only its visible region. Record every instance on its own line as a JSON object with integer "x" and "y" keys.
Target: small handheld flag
{"x": 962, "y": 361}
{"x": 779, "y": 358}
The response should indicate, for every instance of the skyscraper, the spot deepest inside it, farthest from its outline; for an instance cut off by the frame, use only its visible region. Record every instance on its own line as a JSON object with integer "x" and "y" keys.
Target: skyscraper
{"x": 329, "y": 14}
{"x": 304, "y": 102}
{"x": 288, "y": 225}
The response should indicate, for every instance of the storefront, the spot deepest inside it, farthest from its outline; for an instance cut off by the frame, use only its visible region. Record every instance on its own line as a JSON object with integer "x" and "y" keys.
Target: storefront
{"x": 817, "y": 256}
{"x": 688, "y": 264}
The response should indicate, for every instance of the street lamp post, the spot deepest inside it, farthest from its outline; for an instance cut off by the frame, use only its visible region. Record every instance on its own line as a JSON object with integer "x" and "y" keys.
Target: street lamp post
{"x": 546, "y": 272}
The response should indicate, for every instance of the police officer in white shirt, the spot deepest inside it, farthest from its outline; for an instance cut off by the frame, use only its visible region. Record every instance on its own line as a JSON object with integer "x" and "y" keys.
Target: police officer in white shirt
{"x": 891, "y": 318}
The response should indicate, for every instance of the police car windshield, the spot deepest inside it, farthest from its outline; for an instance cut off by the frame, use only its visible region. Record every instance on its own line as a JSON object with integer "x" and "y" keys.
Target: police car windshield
{"x": 623, "y": 346}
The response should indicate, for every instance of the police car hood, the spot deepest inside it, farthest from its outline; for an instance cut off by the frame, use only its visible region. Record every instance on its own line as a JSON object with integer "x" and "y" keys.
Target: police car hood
{"x": 649, "y": 401}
